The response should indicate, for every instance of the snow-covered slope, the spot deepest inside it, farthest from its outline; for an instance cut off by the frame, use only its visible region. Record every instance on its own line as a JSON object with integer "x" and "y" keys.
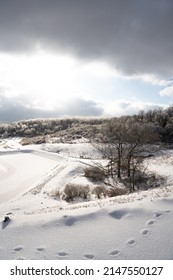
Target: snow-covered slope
{"x": 135, "y": 226}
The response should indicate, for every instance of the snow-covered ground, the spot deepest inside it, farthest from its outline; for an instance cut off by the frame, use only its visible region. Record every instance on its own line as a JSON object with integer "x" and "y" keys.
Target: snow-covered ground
{"x": 135, "y": 226}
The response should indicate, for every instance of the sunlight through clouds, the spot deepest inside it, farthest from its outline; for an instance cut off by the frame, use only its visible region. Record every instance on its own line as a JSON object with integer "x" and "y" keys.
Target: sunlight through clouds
{"x": 47, "y": 78}
{"x": 41, "y": 75}
{"x": 99, "y": 52}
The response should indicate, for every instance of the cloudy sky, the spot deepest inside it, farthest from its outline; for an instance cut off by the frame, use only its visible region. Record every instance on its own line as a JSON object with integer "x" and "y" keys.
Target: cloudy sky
{"x": 84, "y": 58}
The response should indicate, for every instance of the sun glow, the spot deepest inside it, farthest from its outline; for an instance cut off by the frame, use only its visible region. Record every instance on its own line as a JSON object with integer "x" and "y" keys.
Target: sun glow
{"x": 41, "y": 76}
{"x": 46, "y": 80}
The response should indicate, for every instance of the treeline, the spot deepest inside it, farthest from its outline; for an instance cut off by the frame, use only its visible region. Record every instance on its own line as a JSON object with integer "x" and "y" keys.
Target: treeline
{"x": 161, "y": 120}
{"x": 55, "y": 127}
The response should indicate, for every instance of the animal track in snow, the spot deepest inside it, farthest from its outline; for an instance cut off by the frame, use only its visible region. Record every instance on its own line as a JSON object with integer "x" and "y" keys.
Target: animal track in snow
{"x": 17, "y": 249}
{"x": 157, "y": 215}
{"x": 131, "y": 241}
{"x": 118, "y": 214}
{"x": 40, "y": 249}
{"x": 150, "y": 222}
{"x": 62, "y": 254}
{"x": 115, "y": 253}
{"x": 6, "y": 222}
{"x": 10, "y": 213}
{"x": 89, "y": 256}
{"x": 145, "y": 232}
{"x": 69, "y": 220}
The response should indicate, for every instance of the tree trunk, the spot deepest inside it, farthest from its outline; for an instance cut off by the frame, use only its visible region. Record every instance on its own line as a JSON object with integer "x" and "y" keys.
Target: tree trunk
{"x": 128, "y": 166}
{"x": 119, "y": 164}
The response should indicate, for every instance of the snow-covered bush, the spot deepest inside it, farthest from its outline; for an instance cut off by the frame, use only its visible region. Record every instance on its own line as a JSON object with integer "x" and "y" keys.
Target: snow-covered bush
{"x": 72, "y": 191}
{"x": 56, "y": 194}
{"x": 33, "y": 140}
{"x": 155, "y": 180}
{"x": 116, "y": 191}
{"x": 100, "y": 192}
{"x": 84, "y": 192}
{"x": 94, "y": 173}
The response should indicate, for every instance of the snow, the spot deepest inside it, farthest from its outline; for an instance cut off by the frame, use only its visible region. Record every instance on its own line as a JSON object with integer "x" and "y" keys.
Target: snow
{"x": 134, "y": 226}
{"x": 19, "y": 170}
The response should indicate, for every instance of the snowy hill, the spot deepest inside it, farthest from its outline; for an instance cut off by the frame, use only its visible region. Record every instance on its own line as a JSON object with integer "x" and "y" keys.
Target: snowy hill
{"x": 40, "y": 226}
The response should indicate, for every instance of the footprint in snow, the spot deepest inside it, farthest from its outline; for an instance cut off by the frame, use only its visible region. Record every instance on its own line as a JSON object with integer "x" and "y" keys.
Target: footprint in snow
{"x": 18, "y": 249}
{"x": 40, "y": 249}
{"x": 115, "y": 253}
{"x": 118, "y": 214}
{"x": 69, "y": 220}
{"x": 145, "y": 232}
{"x": 131, "y": 242}
{"x": 157, "y": 215}
{"x": 89, "y": 256}
{"x": 150, "y": 222}
{"x": 10, "y": 213}
{"x": 62, "y": 254}
{"x": 6, "y": 222}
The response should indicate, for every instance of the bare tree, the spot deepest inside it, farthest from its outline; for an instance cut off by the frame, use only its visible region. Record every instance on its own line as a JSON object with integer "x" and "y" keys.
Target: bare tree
{"x": 125, "y": 144}
{"x": 115, "y": 135}
{"x": 138, "y": 143}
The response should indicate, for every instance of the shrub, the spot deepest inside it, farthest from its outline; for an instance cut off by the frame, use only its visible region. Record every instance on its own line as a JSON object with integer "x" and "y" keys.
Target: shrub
{"x": 99, "y": 192}
{"x": 116, "y": 191}
{"x": 95, "y": 173}
{"x": 33, "y": 140}
{"x": 155, "y": 180}
{"x": 56, "y": 194}
{"x": 72, "y": 191}
{"x": 84, "y": 192}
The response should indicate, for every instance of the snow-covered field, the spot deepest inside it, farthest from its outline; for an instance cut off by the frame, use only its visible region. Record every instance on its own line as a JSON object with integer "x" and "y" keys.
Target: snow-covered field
{"x": 135, "y": 226}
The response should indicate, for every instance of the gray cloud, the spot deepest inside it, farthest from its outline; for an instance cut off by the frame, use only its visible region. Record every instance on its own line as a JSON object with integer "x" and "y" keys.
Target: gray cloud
{"x": 81, "y": 107}
{"x": 14, "y": 109}
{"x": 135, "y": 36}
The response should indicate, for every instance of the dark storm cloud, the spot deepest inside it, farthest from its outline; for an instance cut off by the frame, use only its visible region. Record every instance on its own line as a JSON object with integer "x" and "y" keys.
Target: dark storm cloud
{"x": 136, "y": 36}
{"x": 14, "y": 109}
